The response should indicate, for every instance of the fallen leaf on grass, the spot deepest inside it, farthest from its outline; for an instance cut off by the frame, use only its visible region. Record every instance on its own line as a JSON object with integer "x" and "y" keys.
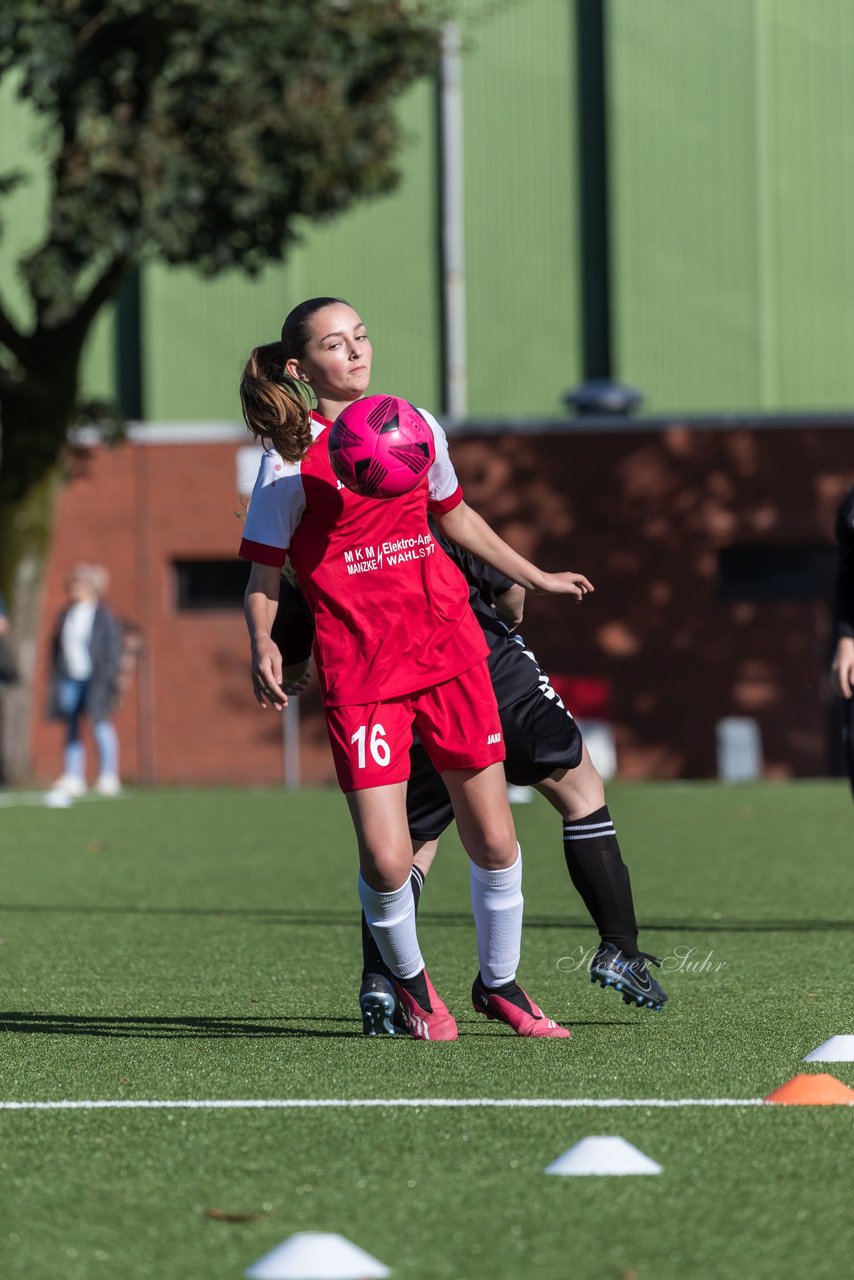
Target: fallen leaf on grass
{"x": 221, "y": 1215}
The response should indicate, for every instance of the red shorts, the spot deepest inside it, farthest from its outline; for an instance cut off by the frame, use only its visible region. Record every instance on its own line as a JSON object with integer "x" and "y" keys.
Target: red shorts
{"x": 456, "y": 721}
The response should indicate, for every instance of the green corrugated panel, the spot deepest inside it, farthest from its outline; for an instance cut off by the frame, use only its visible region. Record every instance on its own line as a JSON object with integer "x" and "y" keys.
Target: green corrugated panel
{"x": 732, "y": 183}
{"x": 809, "y": 54}
{"x": 23, "y": 214}
{"x": 521, "y": 220}
{"x": 380, "y": 256}
{"x": 383, "y": 257}
{"x": 684, "y": 201}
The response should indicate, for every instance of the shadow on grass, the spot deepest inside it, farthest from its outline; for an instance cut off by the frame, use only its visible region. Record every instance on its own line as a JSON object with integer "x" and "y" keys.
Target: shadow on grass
{"x": 179, "y": 1028}
{"x": 142, "y": 1028}
{"x": 452, "y": 919}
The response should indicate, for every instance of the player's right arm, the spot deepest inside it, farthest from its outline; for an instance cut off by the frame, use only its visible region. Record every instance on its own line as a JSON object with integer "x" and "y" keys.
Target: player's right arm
{"x": 275, "y": 510}
{"x": 259, "y": 608}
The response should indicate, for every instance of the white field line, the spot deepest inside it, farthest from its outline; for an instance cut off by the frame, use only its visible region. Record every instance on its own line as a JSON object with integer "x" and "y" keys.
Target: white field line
{"x": 310, "y": 1104}
{"x": 9, "y": 799}
{"x": 14, "y": 799}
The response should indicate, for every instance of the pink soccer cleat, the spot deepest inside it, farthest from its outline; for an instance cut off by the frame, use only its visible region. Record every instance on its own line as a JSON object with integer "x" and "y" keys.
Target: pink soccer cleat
{"x": 517, "y": 1009}
{"x": 437, "y": 1023}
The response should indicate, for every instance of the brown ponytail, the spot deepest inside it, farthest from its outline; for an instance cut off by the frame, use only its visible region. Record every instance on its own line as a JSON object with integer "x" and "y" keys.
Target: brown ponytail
{"x": 276, "y": 407}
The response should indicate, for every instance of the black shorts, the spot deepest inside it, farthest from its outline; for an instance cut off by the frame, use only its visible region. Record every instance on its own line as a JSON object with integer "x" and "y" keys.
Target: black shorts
{"x": 540, "y": 737}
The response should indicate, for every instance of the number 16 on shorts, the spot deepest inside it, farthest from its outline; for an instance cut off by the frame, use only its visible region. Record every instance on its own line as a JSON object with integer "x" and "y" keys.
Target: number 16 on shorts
{"x": 379, "y": 748}
{"x": 370, "y": 744}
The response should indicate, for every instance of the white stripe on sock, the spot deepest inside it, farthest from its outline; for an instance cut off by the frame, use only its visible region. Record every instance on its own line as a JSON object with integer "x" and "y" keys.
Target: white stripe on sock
{"x": 594, "y": 835}
{"x": 586, "y": 826}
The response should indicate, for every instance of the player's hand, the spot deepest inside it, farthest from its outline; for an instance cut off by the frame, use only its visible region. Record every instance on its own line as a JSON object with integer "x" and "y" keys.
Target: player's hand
{"x": 267, "y": 674}
{"x": 567, "y": 584}
{"x": 843, "y": 666}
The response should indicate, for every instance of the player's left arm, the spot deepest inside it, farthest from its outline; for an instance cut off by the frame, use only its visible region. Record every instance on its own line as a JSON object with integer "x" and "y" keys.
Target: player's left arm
{"x": 464, "y": 526}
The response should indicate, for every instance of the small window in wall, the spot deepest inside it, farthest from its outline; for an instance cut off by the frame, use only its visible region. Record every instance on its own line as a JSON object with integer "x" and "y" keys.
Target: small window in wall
{"x": 776, "y": 573}
{"x": 209, "y": 584}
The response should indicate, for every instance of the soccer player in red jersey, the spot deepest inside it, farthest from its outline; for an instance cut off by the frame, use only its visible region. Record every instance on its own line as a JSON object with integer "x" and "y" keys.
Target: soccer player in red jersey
{"x": 396, "y": 646}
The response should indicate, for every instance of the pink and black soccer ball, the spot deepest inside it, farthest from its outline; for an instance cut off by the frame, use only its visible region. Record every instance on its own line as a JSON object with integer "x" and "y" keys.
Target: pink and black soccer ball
{"x": 381, "y": 447}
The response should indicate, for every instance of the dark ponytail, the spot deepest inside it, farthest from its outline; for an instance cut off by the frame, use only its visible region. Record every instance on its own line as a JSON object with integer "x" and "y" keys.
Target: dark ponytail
{"x": 277, "y": 407}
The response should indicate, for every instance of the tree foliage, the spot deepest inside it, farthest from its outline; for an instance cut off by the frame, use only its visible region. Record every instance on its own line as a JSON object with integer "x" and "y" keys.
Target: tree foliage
{"x": 196, "y": 132}
{"x": 199, "y": 131}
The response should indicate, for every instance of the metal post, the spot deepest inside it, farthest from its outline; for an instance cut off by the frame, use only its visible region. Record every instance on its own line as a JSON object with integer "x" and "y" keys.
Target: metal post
{"x": 290, "y": 742}
{"x": 599, "y": 393}
{"x": 453, "y": 223}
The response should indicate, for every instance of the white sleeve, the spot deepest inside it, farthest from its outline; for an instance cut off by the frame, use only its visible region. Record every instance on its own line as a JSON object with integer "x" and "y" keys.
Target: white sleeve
{"x": 442, "y": 478}
{"x": 275, "y": 508}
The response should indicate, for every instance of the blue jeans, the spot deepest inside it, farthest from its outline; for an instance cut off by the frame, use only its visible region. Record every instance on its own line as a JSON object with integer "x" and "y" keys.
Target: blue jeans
{"x": 72, "y": 696}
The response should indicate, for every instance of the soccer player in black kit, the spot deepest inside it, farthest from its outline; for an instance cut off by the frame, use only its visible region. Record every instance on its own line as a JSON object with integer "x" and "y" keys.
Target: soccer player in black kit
{"x": 544, "y": 750}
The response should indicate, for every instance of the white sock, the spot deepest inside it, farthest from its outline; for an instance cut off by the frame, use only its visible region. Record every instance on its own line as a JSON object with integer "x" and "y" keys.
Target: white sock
{"x": 497, "y": 903}
{"x": 391, "y": 919}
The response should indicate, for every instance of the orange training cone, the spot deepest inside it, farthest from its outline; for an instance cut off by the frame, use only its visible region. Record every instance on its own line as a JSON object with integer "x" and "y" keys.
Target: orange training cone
{"x": 812, "y": 1090}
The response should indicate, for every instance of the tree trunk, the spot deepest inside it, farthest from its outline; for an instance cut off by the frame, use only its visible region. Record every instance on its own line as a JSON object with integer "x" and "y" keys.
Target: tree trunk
{"x": 25, "y": 531}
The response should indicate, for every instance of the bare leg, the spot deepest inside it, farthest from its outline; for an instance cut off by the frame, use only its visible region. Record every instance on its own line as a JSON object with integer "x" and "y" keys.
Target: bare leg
{"x": 483, "y": 816}
{"x": 385, "y": 850}
{"x": 574, "y": 792}
{"x": 423, "y": 853}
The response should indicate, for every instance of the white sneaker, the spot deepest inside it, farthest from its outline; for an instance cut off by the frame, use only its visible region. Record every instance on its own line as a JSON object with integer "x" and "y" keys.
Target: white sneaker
{"x": 108, "y": 785}
{"x": 70, "y": 786}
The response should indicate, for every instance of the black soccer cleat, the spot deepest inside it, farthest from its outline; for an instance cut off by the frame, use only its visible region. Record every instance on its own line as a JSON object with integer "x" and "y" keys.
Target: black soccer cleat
{"x": 381, "y": 1015}
{"x": 629, "y": 976}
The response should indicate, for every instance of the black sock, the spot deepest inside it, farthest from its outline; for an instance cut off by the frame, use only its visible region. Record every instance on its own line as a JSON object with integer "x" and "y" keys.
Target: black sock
{"x": 417, "y": 988}
{"x": 510, "y": 991}
{"x": 598, "y": 872}
{"x": 372, "y": 961}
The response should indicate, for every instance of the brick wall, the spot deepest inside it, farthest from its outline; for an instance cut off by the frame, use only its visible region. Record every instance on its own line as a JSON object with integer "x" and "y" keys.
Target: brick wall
{"x": 644, "y": 512}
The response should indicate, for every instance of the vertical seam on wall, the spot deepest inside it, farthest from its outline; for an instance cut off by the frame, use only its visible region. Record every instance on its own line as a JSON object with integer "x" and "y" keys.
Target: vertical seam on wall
{"x": 765, "y": 237}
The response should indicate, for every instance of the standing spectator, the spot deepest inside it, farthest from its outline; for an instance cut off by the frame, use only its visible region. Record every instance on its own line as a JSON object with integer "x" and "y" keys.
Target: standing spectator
{"x": 87, "y": 651}
{"x": 843, "y": 625}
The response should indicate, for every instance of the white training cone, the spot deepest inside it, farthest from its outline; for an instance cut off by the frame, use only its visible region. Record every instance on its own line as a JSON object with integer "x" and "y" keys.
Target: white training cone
{"x": 608, "y": 1157}
{"x": 317, "y": 1255}
{"x": 836, "y": 1049}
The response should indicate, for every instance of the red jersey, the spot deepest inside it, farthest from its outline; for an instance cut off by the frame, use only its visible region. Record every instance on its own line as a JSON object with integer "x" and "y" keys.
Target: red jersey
{"x": 391, "y": 611}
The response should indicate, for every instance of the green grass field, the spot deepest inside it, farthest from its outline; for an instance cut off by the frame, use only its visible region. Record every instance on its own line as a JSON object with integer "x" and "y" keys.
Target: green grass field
{"x": 205, "y": 945}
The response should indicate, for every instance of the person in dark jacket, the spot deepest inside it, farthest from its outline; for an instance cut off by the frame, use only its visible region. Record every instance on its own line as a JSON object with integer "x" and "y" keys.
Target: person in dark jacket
{"x": 86, "y": 655}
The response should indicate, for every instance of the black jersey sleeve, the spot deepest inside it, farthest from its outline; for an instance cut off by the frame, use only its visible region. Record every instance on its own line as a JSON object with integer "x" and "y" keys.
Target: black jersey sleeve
{"x": 486, "y": 581}
{"x": 843, "y": 596}
{"x": 293, "y": 629}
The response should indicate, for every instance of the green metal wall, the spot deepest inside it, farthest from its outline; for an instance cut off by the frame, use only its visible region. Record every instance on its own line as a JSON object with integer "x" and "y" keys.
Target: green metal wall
{"x": 521, "y": 223}
{"x": 385, "y": 256}
{"x": 732, "y": 176}
{"x": 380, "y": 256}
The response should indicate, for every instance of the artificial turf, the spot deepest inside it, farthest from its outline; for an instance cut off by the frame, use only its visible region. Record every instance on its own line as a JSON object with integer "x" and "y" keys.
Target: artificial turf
{"x": 204, "y": 945}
